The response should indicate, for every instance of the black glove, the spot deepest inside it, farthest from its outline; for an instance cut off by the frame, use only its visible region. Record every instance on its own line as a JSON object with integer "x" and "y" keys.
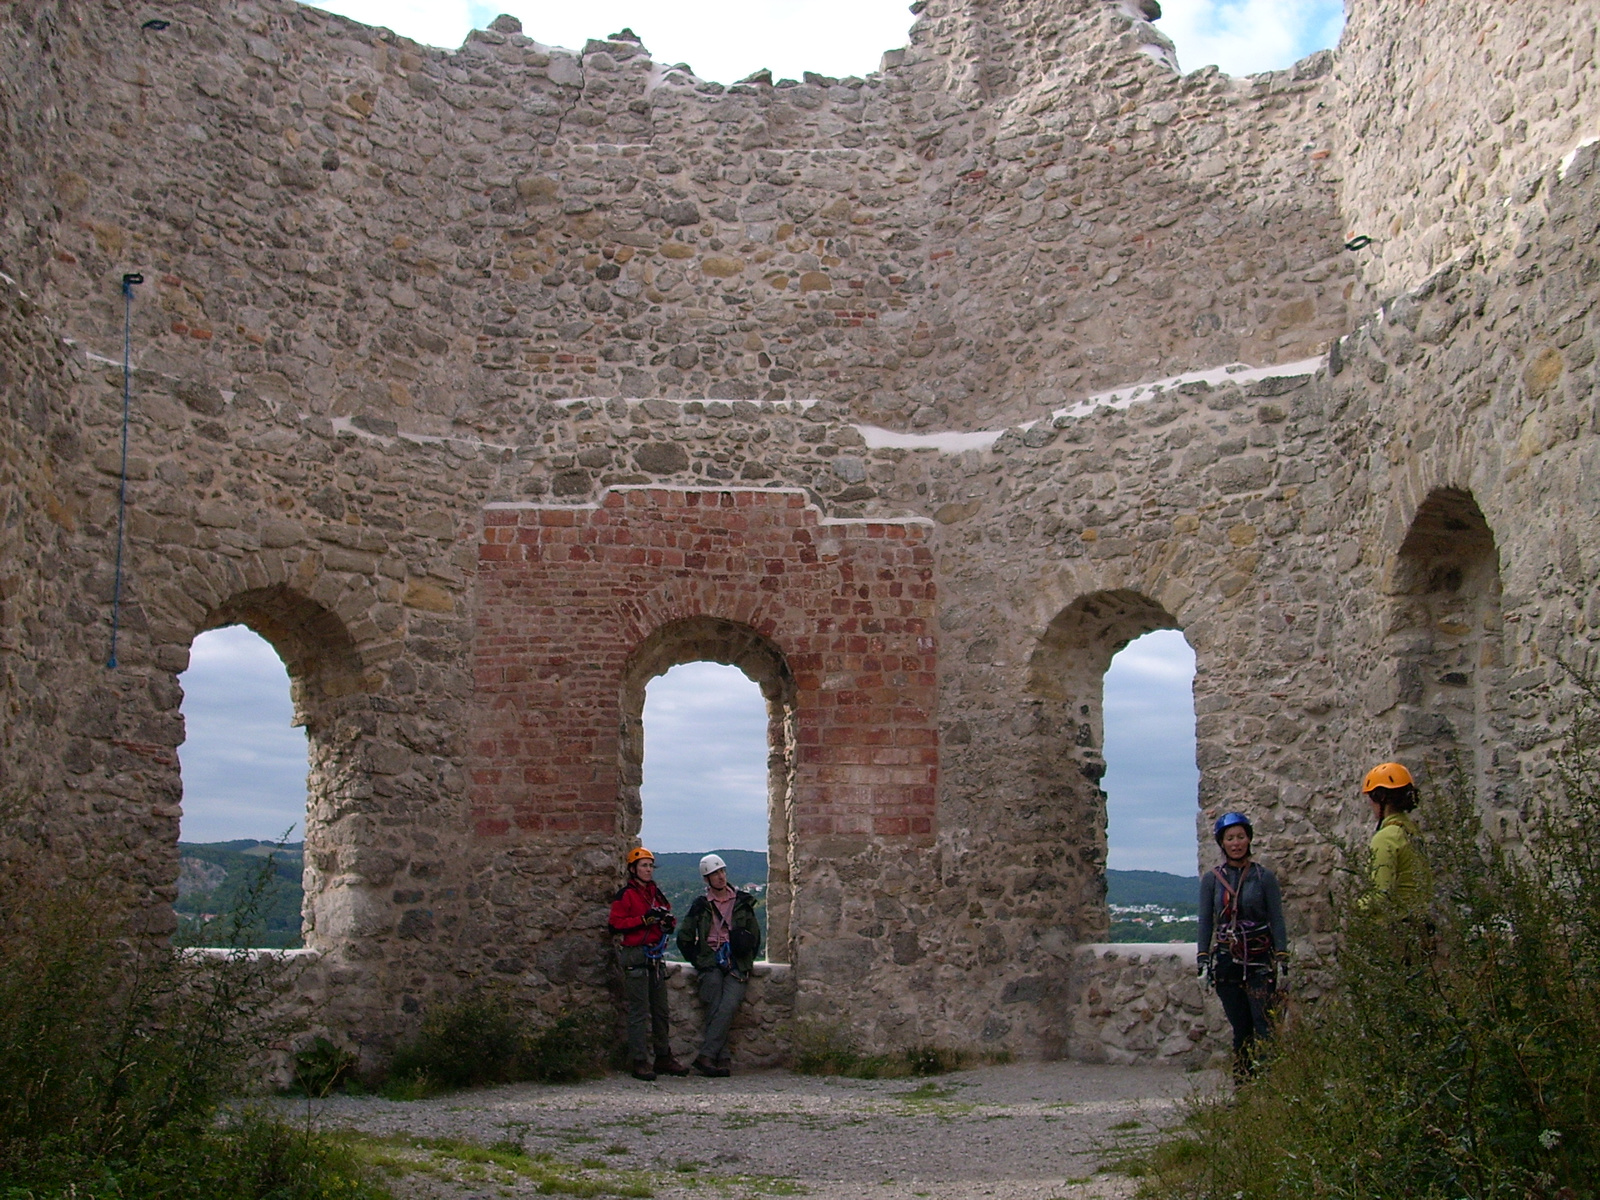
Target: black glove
{"x": 1283, "y": 969}
{"x": 1202, "y": 964}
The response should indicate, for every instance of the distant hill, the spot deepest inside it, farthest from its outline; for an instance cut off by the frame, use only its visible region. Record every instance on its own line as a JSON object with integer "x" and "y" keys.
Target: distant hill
{"x": 216, "y": 878}
{"x": 1180, "y": 893}
{"x": 683, "y": 870}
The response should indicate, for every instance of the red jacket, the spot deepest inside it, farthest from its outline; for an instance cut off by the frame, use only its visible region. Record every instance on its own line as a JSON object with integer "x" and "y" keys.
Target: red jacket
{"x": 628, "y": 910}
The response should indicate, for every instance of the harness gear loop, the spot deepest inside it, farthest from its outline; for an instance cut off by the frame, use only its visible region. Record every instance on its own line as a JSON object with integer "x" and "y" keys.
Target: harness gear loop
{"x": 1241, "y": 940}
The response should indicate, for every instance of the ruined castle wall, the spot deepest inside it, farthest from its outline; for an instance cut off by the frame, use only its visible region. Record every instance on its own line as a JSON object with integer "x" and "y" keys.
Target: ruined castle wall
{"x": 380, "y": 228}
{"x": 405, "y": 307}
{"x": 55, "y": 570}
{"x": 1453, "y": 115}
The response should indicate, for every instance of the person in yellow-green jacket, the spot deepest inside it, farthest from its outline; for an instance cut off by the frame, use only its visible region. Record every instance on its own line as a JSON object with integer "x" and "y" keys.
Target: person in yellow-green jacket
{"x": 1401, "y": 881}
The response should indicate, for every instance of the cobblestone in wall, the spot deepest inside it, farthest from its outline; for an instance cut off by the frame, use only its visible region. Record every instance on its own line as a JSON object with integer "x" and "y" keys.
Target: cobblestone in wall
{"x": 357, "y": 353}
{"x": 1143, "y": 1003}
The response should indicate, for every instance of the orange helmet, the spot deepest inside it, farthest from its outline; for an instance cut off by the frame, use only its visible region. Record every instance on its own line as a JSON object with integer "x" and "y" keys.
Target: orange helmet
{"x": 639, "y": 852}
{"x": 1386, "y": 775}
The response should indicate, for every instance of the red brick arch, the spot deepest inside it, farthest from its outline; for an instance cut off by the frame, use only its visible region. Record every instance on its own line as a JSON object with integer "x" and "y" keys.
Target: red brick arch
{"x": 567, "y": 595}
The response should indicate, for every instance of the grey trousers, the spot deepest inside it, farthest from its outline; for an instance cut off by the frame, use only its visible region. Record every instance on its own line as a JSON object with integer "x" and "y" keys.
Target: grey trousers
{"x": 721, "y": 994}
{"x": 644, "y": 987}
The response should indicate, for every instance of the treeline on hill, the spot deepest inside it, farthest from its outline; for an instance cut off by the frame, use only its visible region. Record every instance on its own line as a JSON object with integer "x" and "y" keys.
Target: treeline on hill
{"x": 1477, "y": 1024}
{"x": 216, "y": 880}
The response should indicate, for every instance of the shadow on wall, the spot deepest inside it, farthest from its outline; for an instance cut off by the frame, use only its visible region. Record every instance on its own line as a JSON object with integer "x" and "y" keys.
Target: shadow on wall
{"x": 1444, "y": 635}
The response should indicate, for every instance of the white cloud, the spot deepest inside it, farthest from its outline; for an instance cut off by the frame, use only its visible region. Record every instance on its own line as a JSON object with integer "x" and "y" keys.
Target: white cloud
{"x": 1151, "y": 780}
{"x": 1246, "y": 37}
{"x": 726, "y": 40}
{"x": 244, "y": 765}
{"x": 705, "y": 761}
{"x": 432, "y": 22}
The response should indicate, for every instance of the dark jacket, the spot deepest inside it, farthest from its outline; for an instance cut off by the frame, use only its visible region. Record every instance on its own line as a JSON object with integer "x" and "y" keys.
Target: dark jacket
{"x": 1260, "y": 905}
{"x": 695, "y": 932}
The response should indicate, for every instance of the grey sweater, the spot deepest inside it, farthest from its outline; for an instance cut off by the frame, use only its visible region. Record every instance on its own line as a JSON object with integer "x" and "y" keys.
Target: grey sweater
{"x": 1260, "y": 903}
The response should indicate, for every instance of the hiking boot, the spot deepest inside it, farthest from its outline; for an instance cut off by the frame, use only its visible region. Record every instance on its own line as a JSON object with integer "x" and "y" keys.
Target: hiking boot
{"x": 670, "y": 1066}
{"x": 706, "y": 1067}
{"x": 641, "y": 1070}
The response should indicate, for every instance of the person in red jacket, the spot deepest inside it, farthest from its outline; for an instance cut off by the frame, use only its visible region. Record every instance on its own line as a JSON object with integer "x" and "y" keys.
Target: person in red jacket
{"x": 641, "y": 922}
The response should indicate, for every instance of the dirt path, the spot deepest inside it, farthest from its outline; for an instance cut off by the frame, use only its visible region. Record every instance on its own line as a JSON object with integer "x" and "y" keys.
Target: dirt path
{"x": 1027, "y": 1131}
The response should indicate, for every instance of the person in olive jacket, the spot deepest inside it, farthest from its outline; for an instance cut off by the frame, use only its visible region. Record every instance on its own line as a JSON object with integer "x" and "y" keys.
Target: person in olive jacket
{"x": 720, "y": 937}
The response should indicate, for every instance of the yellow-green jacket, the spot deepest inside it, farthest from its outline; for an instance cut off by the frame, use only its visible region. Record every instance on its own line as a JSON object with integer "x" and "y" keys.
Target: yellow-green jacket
{"x": 1400, "y": 874}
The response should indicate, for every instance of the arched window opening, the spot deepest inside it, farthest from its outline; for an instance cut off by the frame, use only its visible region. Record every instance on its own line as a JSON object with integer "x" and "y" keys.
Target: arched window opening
{"x": 708, "y": 762}
{"x": 1151, "y": 785}
{"x": 1444, "y": 634}
{"x": 244, "y": 770}
{"x": 705, "y": 779}
{"x": 1067, "y": 684}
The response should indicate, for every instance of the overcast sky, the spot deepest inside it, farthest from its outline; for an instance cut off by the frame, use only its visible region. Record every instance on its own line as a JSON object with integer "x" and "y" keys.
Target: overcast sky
{"x": 705, "y": 726}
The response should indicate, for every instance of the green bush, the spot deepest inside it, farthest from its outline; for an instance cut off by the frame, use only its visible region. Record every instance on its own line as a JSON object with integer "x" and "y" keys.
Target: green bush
{"x": 1459, "y": 1053}
{"x": 481, "y": 1038}
{"x": 117, "y": 1055}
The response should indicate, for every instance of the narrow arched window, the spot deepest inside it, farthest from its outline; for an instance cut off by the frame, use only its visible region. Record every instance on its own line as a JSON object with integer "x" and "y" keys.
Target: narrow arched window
{"x": 244, "y": 796}
{"x": 705, "y": 780}
{"x": 1151, "y": 785}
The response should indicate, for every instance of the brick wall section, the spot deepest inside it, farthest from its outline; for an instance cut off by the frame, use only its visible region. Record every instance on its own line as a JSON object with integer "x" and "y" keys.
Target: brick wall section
{"x": 567, "y": 594}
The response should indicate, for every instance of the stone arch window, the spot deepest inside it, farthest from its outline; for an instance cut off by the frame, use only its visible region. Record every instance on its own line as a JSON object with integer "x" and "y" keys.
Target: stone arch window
{"x": 1444, "y": 639}
{"x": 327, "y": 687}
{"x": 1066, "y": 683}
{"x": 708, "y": 639}
{"x": 243, "y": 770}
{"x": 1149, "y": 747}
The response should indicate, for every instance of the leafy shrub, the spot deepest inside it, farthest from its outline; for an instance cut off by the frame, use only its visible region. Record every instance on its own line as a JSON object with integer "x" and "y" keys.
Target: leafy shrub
{"x": 322, "y": 1067}
{"x": 117, "y": 1054}
{"x": 480, "y": 1038}
{"x": 1477, "y": 1030}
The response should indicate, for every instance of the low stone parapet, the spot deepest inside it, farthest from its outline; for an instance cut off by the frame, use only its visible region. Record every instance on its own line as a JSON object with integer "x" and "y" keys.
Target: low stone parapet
{"x": 758, "y": 1038}
{"x": 1140, "y": 1002}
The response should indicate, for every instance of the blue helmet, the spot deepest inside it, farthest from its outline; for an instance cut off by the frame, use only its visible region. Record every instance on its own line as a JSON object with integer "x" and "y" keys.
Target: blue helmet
{"x": 1229, "y": 819}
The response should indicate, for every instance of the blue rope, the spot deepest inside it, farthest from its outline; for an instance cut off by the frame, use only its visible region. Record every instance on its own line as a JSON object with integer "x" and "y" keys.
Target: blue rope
{"x": 128, "y": 282}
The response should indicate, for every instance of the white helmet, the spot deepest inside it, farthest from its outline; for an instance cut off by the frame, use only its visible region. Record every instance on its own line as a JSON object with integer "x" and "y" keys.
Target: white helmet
{"x": 710, "y": 863}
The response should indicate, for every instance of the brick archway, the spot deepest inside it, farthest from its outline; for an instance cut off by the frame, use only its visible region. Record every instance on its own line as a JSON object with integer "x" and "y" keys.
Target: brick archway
{"x": 578, "y": 607}
{"x": 711, "y": 639}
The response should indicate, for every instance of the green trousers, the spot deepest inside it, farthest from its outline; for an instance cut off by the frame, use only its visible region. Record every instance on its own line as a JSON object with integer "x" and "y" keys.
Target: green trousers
{"x": 644, "y": 987}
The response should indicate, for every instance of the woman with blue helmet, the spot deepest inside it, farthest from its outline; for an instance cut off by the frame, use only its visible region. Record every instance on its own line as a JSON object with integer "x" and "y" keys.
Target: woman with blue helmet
{"x": 1243, "y": 944}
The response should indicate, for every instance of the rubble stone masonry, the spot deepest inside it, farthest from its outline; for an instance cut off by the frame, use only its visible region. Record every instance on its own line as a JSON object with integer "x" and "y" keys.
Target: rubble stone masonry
{"x": 490, "y": 384}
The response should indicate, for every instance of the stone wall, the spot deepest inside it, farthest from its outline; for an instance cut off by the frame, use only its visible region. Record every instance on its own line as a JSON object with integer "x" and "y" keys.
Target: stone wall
{"x": 1144, "y": 1003}
{"x": 1454, "y": 115}
{"x": 450, "y": 366}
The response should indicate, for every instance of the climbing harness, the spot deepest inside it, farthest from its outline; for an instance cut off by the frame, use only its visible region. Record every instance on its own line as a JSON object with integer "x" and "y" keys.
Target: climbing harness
{"x": 1242, "y": 941}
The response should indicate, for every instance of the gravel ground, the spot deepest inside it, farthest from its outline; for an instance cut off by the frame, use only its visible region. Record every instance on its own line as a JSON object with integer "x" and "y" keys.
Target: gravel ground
{"x": 1027, "y": 1131}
